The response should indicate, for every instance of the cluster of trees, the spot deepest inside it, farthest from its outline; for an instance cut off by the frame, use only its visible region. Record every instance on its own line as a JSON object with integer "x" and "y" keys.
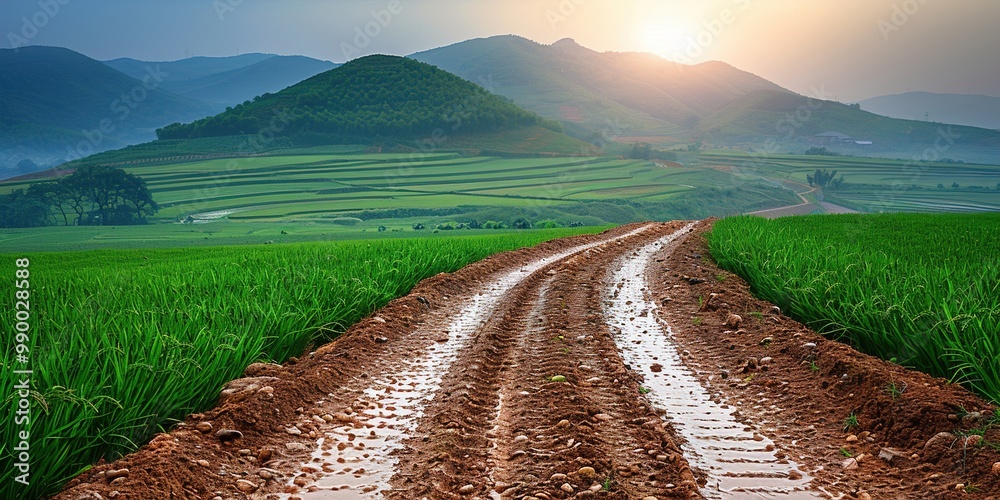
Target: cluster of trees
{"x": 820, "y": 151}
{"x": 824, "y": 178}
{"x": 520, "y": 223}
{"x": 645, "y": 151}
{"x": 94, "y": 195}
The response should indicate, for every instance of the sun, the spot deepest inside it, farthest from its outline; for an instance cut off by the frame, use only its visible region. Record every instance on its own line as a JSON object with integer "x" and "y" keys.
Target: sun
{"x": 667, "y": 40}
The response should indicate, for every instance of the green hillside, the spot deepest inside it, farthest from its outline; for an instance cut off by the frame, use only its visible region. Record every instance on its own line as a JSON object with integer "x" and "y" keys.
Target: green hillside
{"x": 371, "y": 97}
{"x": 50, "y": 94}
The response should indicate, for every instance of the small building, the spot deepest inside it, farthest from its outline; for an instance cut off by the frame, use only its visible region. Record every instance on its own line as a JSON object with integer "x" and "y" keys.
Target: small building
{"x": 832, "y": 137}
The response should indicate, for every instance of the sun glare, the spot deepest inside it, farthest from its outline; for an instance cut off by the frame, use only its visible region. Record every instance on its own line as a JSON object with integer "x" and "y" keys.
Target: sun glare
{"x": 665, "y": 40}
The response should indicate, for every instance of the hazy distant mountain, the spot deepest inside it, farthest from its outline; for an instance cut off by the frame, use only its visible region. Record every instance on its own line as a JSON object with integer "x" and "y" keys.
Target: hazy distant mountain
{"x": 191, "y": 68}
{"x": 366, "y": 99}
{"x": 227, "y": 81}
{"x": 613, "y": 95}
{"x": 791, "y": 116}
{"x": 642, "y": 93}
{"x": 56, "y": 103}
{"x": 963, "y": 109}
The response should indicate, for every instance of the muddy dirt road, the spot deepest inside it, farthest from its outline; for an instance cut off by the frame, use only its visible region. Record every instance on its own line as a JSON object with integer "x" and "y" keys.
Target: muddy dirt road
{"x": 622, "y": 365}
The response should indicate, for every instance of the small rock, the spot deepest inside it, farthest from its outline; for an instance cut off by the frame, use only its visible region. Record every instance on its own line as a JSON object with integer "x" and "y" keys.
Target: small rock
{"x": 973, "y": 440}
{"x": 766, "y": 360}
{"x": 566, "y": 487}
{"x": 809, "y": 345}
{"x": 794, "y": 475}
{"x": 265, "y": 474}
{"x": 766, "y": 340}
{"x": 864, "y": 496}
{"x": 996, "y": 469}
{"x": 851, "y": 439}
{"x": 264, "y": 455}
{"x": 889, "y": 454}
{"x": 465, "y": 490}
{"x": 971, "y": 417}
{"x": 589, "y": 472}
{"x": 563, "y": 423}
{"x": 226, "y": 435}
{"x": 204, "y": 427}
{"x": 656, "y": 368}
{"x": 293, "y": 446}
{"x": 650, "y": 498}
{"x": 378, "y": 319}
{"x": 203, "y": 463}
{"x": 295, "y": 431}
{"x": 602, "y": 416}
{"x": 941, "y": 440}
{"x": 733, "y": 320}
{"x": 849, "y": 464}
{"x": 115, "y": 474}
{"x": 381, "y": 340}
{"x": 959, "y": 486}
{"x": 246, "y": 486}
{"x": 558, "y": 477}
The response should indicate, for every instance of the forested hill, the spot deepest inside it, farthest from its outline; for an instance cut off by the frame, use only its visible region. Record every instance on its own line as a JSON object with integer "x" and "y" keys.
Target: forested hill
{"x": 370, "y": 97}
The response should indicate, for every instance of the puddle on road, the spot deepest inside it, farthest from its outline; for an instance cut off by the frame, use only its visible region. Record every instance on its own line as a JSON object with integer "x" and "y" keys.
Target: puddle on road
{"x": 739, "y": 461}
{"x": 354, "y": 459}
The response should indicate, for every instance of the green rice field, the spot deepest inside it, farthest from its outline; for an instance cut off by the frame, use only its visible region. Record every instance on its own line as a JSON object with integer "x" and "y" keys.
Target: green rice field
{"x": 922, "y": 290}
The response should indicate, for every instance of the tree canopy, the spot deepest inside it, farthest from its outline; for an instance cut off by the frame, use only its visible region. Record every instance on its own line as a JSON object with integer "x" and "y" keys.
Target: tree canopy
{"x": 96, "y": 195}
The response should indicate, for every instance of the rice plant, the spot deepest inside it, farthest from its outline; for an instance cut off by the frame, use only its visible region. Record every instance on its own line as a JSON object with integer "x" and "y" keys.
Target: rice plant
{"x": 920, "y": 289}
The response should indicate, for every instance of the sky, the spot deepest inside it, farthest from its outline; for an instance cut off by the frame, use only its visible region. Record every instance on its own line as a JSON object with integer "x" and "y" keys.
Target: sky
{"x": 849, "y": 49}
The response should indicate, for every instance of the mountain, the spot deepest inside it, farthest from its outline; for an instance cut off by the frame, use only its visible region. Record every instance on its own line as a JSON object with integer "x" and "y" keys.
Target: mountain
{"x": 228, "y": 81}
{"x": 590, "y": 91}
{"x": 791, "y": 116}
{"x": 963, "y": 109}
{"x": 371, "y": 97}
{"x": 190, "y": 68}
{"x": 635, "y": 96}
{"x": 57, "y": 104}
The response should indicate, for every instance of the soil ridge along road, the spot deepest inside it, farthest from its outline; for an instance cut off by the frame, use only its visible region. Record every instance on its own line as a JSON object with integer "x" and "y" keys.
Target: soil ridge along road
{"x": 623, "y": 365}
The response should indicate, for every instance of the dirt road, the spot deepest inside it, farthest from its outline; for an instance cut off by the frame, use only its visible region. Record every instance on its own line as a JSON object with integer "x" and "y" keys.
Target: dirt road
{"x": 622, "y": 365}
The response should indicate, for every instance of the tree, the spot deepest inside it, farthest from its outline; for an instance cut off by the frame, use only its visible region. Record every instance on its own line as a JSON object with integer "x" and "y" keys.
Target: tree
{"x": 823, "y": 178}
{"x": 21, "y": 209}
{"x": 521, "y": 223}
{"x": 639, "y": 151}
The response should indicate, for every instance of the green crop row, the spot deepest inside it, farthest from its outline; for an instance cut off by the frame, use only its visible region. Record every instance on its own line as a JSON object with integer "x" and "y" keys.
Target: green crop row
{"x": 125, "y": 342}
{"x": 922, "y": 290}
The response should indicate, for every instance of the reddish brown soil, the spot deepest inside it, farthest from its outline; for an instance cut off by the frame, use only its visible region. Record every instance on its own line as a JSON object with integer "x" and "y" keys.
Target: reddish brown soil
{"x": 499, "y": 425}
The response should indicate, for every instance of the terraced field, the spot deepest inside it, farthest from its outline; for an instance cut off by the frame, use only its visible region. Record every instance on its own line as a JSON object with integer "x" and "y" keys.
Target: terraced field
{"x": 877, "y": 185}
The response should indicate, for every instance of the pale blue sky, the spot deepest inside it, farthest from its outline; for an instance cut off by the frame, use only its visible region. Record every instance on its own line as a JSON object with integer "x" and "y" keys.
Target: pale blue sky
{"x": 853, "y": 49}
